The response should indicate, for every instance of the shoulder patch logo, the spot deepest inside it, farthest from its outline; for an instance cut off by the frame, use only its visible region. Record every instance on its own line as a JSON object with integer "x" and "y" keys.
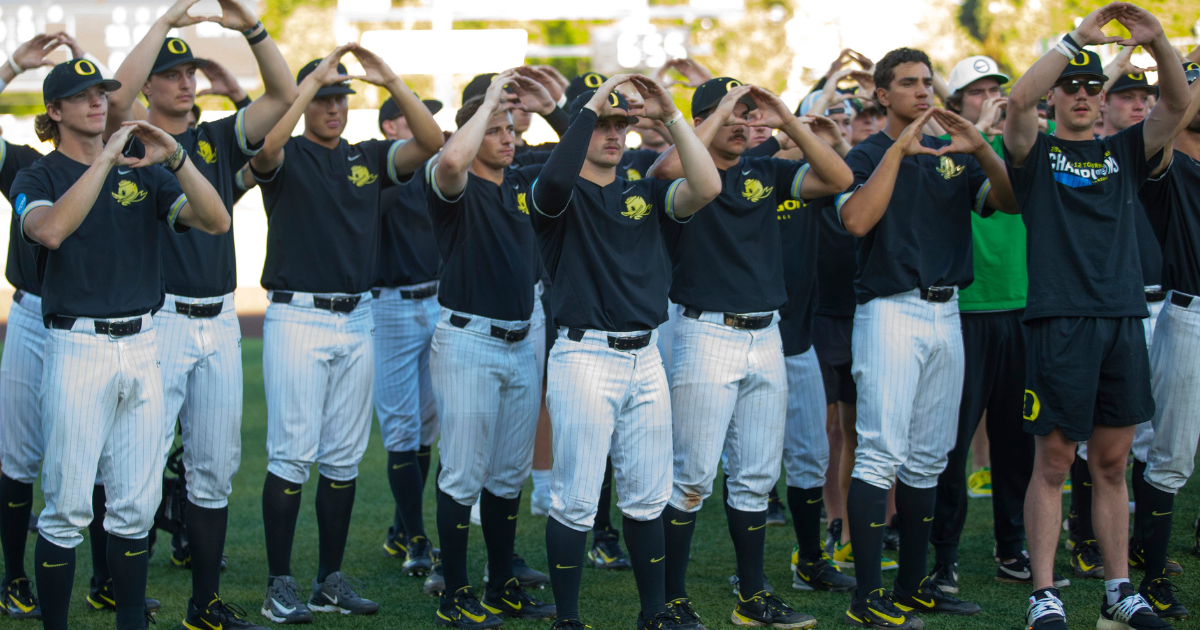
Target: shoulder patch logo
{"x": 636, "y": 208}
{"x": 948, "y": 169}
{"x": 521, "y": 204}
{"x": 206, "y": 152}
{"x": 632, "y": 175}
{"x": 360, "y": 176}
{"x": 755, "y": 191}
{"x": 128, "y": 193}
{"x": 19, "y": 206}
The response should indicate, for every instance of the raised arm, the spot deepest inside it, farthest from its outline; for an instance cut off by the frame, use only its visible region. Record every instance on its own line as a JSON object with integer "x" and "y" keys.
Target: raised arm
{"x": 204, "y": 209}
{"x": 427, "y": 135}
{"x": 1145, "y": 30}
{"x": 280, "y": 88}
{"x": 462, "y": 147}
{"x": 828, "y": 173}
{"x": 864, "y": 208}
{"x": 668, "y": 166}
{"x": 965, "y": 138}
{"x": 702, "y": 181}
{"x": 1188, "y": 116}
{"x": 30, "y": 55}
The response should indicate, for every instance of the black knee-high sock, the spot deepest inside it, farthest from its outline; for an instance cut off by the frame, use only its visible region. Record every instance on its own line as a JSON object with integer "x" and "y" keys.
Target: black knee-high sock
{"x": 404, "y": 477}
{"x": 647, "y": 548}
{"x": 281, "y": 508}
{"x": 866, "y": 514}
{"x": 128, "y": 560}
{"x": 1081, "y": 498}
{"x": 805, "y": 505}
{"x": 335, "y": 504}
{"x": 914, "y": 516}
{"x": 16, "y": 503}
{"x": 98, "y": 537}
{"x": 424, "y": 458}
{"x": 206, "y": 538}
{"x": 1137, "y": 481}
{"x": 678, "y": 527}
{"x": 1154, "y": 514}
{"x": 54, "y": 568}
{"x": 564, "y": 554}
{"x": 604, "y": 505}
{"x": 453, "y": 525}
{"x": 499, "y": 519}
{"x": 748, "y": 531}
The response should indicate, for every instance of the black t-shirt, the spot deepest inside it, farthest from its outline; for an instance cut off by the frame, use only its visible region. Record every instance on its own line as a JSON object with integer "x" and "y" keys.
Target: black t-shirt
{"x": 489, "y": 252}
{"x": 606, "y": 256}
{"x": 836, "y": 265}
{"x": 728, "y": 258}
{"x": 1172, "y": 203}
{"x": 799, "y": 225}
{"x": 323, "y": 215}
{"x": 110, "y": 266}
{"x": 924, "y": 237}
{"x": 408, "y": 252}
{"x": 636, "y": 163}
{"x": 1078, "y": 203}
{"x": 1149, "y": 249}
{"x": 21, "y": 268}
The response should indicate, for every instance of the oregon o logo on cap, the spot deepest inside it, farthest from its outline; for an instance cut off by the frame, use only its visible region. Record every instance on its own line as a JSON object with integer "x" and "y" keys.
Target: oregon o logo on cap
{"x": 732, "y": 84}
{"x": 982, "y": 65}
{"x": 1081, "y": 59}
{"x": 1137, "y": 77}
{"x": 83, "y": 67}
{"x": 592, "y": 80}
{"x": 1192, "y": 66}
{"x": 174, "y": 44}
{"x": 613, "y": 100}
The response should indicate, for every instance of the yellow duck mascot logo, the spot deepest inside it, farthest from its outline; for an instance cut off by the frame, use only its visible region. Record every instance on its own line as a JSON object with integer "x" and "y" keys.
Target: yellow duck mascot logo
{"x": 127, "y": 193}
{"x": 361, "y": 176}
{"x": 206, "y": 152}
{"x": 754, "y": 190}
{"x": 636, "y": 208}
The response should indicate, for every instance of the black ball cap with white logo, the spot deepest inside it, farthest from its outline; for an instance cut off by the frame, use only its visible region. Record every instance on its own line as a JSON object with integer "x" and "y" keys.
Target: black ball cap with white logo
{"x": 175, "y": 52}
{"x": 1086, "y": 63}
{"x": 582, "y": 83}
{"x": 72, "y": 77}
{"x": 337, "y": 89}
{"x": 710, "y": 93}
{"x": 615, "y": 99}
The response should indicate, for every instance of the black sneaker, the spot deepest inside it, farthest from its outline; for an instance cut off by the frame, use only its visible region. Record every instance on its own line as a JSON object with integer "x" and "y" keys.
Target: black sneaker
{"x": 821, "y": 575}
{"x": 181, "y": 556}
{"x": 928, "y": 598}
{"x": 513, "y": 601}
{"x": 418, "y": 559}
{"x": 662, "y": 621}
{"x": 569, "y": 624}
{"x": 1071, "y": 526}
{"x": 685, "y": 616}
{"x": 436, "y": 582}
{"x": 833, "y": 535}
{"x": 1018, "y": 572}
{"x": 1160, "y": 594}
{"x": 877, "y": 610}
{"x": 216, "y": 614}
{"x": 335, "y": 595}
{"x": 776, "y": 513}
{"x": 100, "y": 597}
{"x": 18, "y": 600}
{"x": 734, "y": 581}
{"x": 1131, "y": 612}
{"x": 529, "y": 578}
{"x": 395, "y": 545}
{"x": 463, "y": 610}
{"x": 606, "y": 551}
{"x": 282, "y": 603}
{"x": 1137, "y": 559}
{"x": 891, "y": 535}
{"x": 1086, "y": 560}
{"x": 945, "y": 577}
{"x": 764, "y": 609}
{"x": 1045, "y": 611}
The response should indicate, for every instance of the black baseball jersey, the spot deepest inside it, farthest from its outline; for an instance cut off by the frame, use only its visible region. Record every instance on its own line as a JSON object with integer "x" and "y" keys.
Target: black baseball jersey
{"x": 836, "y": 265}
{"x": 728, "y": 258}
{"x": 924, "y": 236}
{"x": 21, "y": 268}
{"x": 636, "y": 163}
{"x": 606, "y": 255}
{"x": 323, "y": 215}
{"x": 408, "y": 252}
{"x": 1172, "y": 202}
{"x": 110, "y": 266}
{"x": 799, "y": 228}
{"x": 489, "y": 253}
{"x": 1078, "y": 203}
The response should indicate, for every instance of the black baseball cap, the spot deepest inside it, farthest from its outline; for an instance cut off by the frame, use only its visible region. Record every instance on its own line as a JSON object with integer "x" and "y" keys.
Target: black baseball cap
{"x": 390, "y": 109}
{"x": 615, "y": 99}
{"x": 72, "y": 77}
{"x": 1086, "y": 63}
{"x": 175, "y": 52}
{"x": 337, "y": 89}
{"x": 1132, "y": 81}
{"x": 710, "y": 93}
{"x": 582, "y": 83}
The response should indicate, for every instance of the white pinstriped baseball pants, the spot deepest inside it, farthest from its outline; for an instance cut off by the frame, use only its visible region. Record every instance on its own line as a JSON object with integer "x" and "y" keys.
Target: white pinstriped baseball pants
{"x": 403, "y": 387}
{"x": 1175, "y": 382}
{"x": 20, "y": 390}
{"x": 805, "y": 447}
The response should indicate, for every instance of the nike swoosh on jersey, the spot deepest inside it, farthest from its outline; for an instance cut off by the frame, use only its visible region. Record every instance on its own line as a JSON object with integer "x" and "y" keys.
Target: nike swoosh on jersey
{"x": 354, "y": 158}
{"x": 745, "y": 172}
{"x": 124, "y": 172}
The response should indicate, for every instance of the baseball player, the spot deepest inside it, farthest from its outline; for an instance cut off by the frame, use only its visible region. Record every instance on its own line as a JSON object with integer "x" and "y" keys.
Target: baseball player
{"x": 101, "y": 393}
{"x": 910, "y": 209}
{"x": 729, "y": 384}
{"x": 1087, "y": 369}
{"x": 199, "y": 338}
{"x": 322, "y": 199}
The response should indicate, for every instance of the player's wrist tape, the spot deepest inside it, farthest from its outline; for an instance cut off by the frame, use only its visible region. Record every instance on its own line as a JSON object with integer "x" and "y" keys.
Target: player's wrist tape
{"x": 1067, "y": 46}
{"x": 244, "y": 103}
{"x": 257, "y": 38}
{"x": 256, "y": 26}
{"x": 175, "y": 162}
{"x": 12, "y": 63}
{"x": 678, "y": 117}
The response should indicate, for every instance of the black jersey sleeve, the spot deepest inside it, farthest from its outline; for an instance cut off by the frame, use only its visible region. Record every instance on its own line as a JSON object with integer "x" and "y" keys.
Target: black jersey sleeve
{"x": 168, "y": 196}
{"x": 13, "y": 158}
{"x": 558, "y": 121}
{"x": 384, "y": 154}
{"x": 531, "y": 157}
{"x": 1023, "y": 176}
{"x": 552, "y": 190}
{"x": 979, "y": 186}
{"x": 862, "y": 163}
{"x": 766, "y": 148}
{"x": 31, "y": 189}
{"x": 789, "y": 176}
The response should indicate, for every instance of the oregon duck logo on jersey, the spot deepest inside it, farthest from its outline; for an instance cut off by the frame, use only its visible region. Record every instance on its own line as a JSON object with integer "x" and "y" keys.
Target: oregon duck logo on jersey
{"x": 206, "y": 152}
{"x": 632, "y": 175}
{"x": 948, "y": 169}
{"x": 521, "y": 205}
{"x": 755, "y": 191}
{"x": 361, "y": 176}
{"x": 636, "y": 208}
{"x": 127, "y": 193}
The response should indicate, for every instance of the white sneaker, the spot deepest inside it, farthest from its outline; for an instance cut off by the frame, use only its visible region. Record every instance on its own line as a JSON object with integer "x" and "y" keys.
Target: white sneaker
{"x": 539, "y": 504}
{"x": 475, "y": 514}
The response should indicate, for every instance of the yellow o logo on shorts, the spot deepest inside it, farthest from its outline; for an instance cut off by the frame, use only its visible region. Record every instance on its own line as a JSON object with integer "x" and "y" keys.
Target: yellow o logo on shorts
{"x": 732, "y": 84}
{"x": 174, "y": 44}
{"x": 1081, "y": 59}
{"x": 592, "y": 80}
{"x": 83, "y": 67}
{"x": 613, "y": 100}
{"x": 1033, "y": 406}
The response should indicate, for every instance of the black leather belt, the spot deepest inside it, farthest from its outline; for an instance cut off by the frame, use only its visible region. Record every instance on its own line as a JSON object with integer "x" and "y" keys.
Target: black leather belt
{"x": 344, "y": 304}
{"x": 511, "y": 335}
{"x": 112, "y": 329}
{"x": 616, "y": 343}
{"x": 415, "y": 294}
{"x": 1154, "y": 297}
{"x": 937, "y": 294}
{"x": 1182, "y": 300}
{"x": 199, "y": 310}
{"x": 733, "y": 320}
{"x": 18, "y": 296}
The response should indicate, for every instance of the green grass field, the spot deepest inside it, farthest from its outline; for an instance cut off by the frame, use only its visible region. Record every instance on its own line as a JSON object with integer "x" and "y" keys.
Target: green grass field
{"x": 608, "y": 600}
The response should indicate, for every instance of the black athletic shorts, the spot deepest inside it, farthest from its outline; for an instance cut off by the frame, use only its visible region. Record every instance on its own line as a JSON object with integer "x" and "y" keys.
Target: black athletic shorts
{"x": 831, "y": 339}
{"x": 1084, "y": 371}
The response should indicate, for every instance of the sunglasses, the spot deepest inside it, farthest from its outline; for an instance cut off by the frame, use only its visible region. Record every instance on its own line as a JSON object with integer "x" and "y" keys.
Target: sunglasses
{"x": 1192, "y": 75}
{"x": 1092, "y": 87}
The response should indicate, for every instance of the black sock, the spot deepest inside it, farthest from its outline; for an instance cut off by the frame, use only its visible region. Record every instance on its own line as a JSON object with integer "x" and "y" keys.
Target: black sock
{"x": 773, "y": 495}
{"x": 1137, "y": 480}
{"x": 1154, "y": 515}
{"x": 335, "y": 505}
{"x": 281, "y": 508}
{"x": 424, "y": 458}
{"x": 647, "y": 548}
{"x": 1081, "y": 498}
{"x": 499, "y": 519}
{"x": 866, "y": 514}
{"x": 16, "y": 504}
{"x": 453, "y": 525}
{"x": 128, "y": 560}
{"x": 564, "y": 554}
{"x": 54, "y": 568}
{"x": 604, "y": 504}
{"x": 98, "y": 537}
{"x": 404, "y": 478}
{"x": 678, "y": 527}
{"x": 914, "y": 519}
{"x": 748, "y": 531}
{"x": 805, "y": 505}
{"x": 206, "y": 539}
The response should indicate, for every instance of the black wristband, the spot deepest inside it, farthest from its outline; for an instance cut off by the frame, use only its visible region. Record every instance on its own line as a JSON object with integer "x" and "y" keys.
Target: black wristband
{"x": 257, "y": 38}
{"x": 182, "y": 160}
{"x": 252, "y": 28}
{"x": 244, "y": 103}
{"x": 1070, "y": 41}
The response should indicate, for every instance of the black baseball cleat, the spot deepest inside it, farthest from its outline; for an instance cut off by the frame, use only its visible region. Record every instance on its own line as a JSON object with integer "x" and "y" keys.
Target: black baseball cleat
{"x": 395, "y": 545}
{"x": 1131, "y": 612}
{"x": 1018, "y": 572}
{"x": 1086, "y": 560}
{"x": 33, "y": 523}
{"x": 181, "y": 556}
{"x": 928, "y": 598}
{"x": 529, "y": 578}
{"x": 1045, "y": 611}
{"x": 463, "y": 610}
{"x": 282, "y": 603}
{"x": 436, "y": 582}
{"x": 821, "y": 575}
{"x": 891, "y": 535}
{"x": 764, "y": 609}
{"x": 418, "y": 561}
{"x": 1137, "y": 559}
{"x": 879, "y": 612}
{"x": 513, "y": 601}
{"x": 661, "y": 621}
{"x": 1160, "y": 594}
{"x": 945, "y": 577}
{"x": 100, "y": 597}
{"x": 606, "y": 551}
{"x": 335, "y": 595}
{"x": 685, "y": 616}
{"x": 569, "y": 624}
{"x": 776, "y": 512}
{"x": 18, "y": 600}
{"x": 216, "y": 615}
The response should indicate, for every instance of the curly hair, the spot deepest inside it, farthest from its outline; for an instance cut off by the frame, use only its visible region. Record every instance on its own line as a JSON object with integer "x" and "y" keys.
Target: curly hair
{"x": 468, "y": 110}
{"x": 885, "y": 70}
{"x": 46, "y": 128}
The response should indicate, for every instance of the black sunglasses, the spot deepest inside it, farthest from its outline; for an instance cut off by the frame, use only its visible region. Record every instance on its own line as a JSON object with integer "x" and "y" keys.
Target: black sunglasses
{"x": 1072, "y": 86}
{"x": 1192, "y": 75}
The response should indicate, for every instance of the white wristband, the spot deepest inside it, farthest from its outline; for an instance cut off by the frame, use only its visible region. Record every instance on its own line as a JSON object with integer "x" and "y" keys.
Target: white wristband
{"x": 12, "y": 63}
{"x": 678, "y": 117}
{"x": 1064, "y": 50}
